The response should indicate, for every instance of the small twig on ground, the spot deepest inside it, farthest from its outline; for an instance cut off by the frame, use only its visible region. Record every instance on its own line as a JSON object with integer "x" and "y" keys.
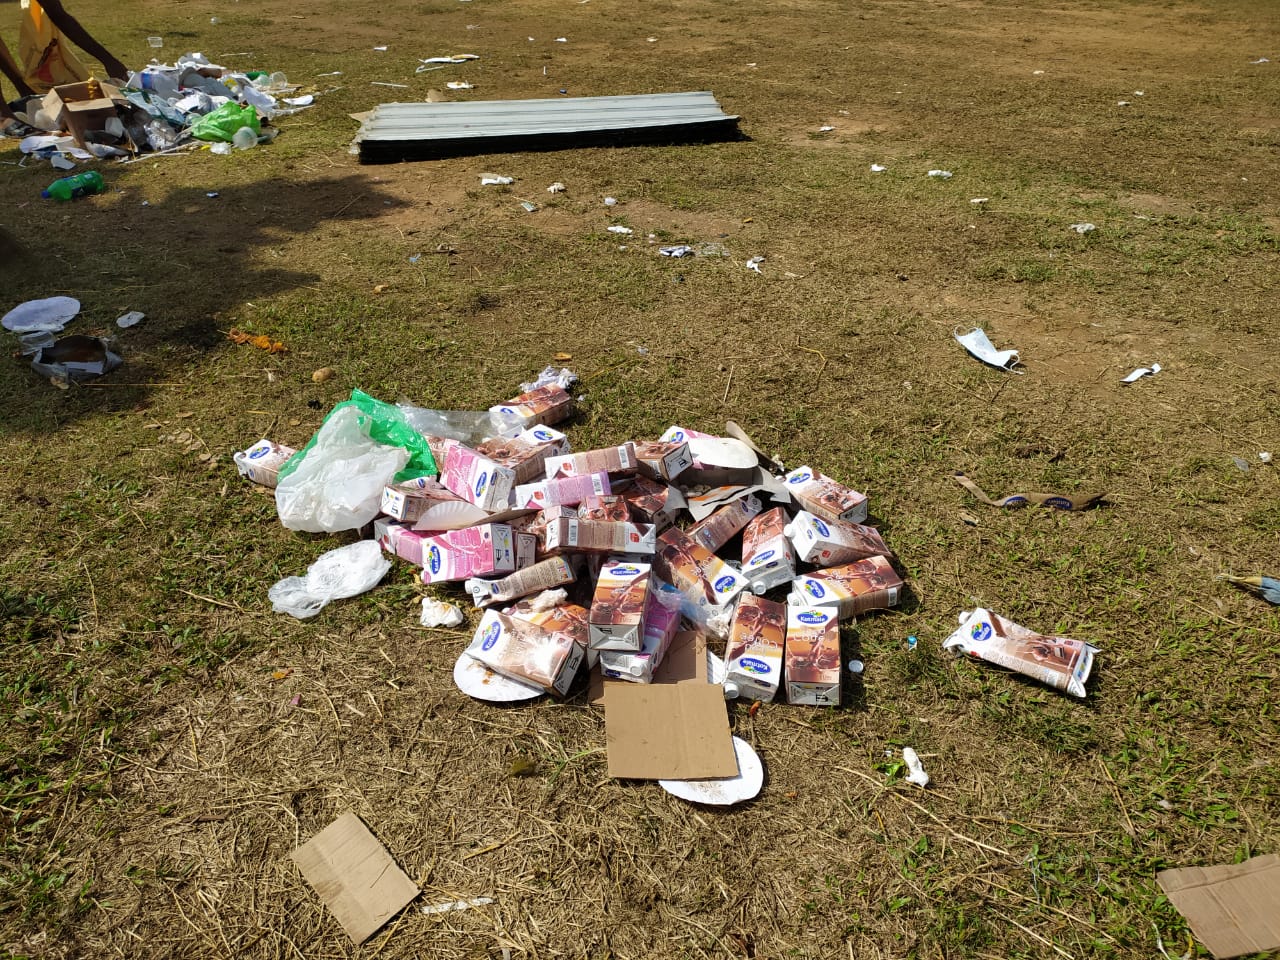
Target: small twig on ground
{"x": 220, "y": 603}
{"x": 725, "y": 398}
{"x": 1129, "y": 827}
{"x": 1031, "y": 933}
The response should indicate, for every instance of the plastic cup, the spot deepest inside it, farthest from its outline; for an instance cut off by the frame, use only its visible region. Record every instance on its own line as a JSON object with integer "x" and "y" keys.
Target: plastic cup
{"x": 156, "y": 42}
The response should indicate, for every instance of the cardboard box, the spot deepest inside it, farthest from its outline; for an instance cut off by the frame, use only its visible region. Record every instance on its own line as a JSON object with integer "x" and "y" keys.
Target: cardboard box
{"x": 618, "y": 607}
{"x": 476, "y": 478}
{"x": 473, "y": 552}
{"x": 615, "y": 461}
{"x": 768, "y": 559}
{"x": 589, "y": 536}
{"x": 754, "y": 655}
{"x": 526, "y": 453}
{"x": 84, "y": 108}
{"x": 546, "y": 405}
{"x": 652, "y": 502}
{"x": 813, "y": 657}
{"x": 261, "y": 463}
{"x": 544, "y": 575}
{"x": 824, "y": 497}
{"x": 562, "y": 492}
{"x": 854, "y": 588}
{"x": 660, "y": 625}
{"x": 717, "y": 529}
{"x": 1234, "y": 908}
{"x": 526, "y": 651}
{"x": 659, "y": 460}
{"x": 829, "y": 543}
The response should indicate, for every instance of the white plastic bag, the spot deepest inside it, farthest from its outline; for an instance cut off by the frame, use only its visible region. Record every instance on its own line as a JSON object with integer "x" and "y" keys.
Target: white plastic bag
{"x": 338, "y": 485}
{"x": 344, "y": 572}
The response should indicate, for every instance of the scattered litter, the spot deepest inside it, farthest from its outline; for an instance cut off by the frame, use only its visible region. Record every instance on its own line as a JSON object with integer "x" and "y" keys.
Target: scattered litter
{"x": 322, "y": 375}
{"x": 431, "y": 908}
{"x": 457, "y": 58}
{"x": 1259, "y": 60}
{"x": 878, "y": 168}
{"x": 563, "y": 378}
{"x": 76, "y": 358}
{"x": 940, "y": 174}
{"x": 754, "y": 264}
{"x": 415, "y": 258}
{"x": 476, "y": 680}
{"x": 610, "y": 201}
{"x": 980, "y": 346}
{"x": 1056, "y": 500}
{"x": 212, "y": 194}
{"x": 1141, "y": 372}
{"x": 912, "y": 642}
{"x": 915, "y": 770}
{"x": 261, "y": 341}
{"x": 1268, "y": 588}
{"x": 825, "y": 129}
{"x": 130, "y": 319}
{"x": 856, "y": 667}
{"x": 1234, "y": 909}
{"x": 727, "y": 792}
{"x": 1056, "y": 661}
{"x": 529, "y": 206}
{"x": 1083, "y": 228}
{"x": 460, "y": 85}
{"x": 495, "y": 180}
{"x": 1241, "y": 463}
{"x": 1037, "y": 73}
{"x": 62, "y": 162}
{"x": 1139, "y": 93}
{"x": 1264, "y": 456}
{"x": 437, "y": 614}
{"x": 380, "y": 83}
{"x": 345, "y": 572}
{"x": 619, "y": 229}
{"x": 305, "y": 100}
{"x": 1122, "y": 103}
{"x": 556, "y": 187}
{"x": 562, "y": 39}
{"x": 979, "y": 201}
{"x": 355, "y": 877}
{"x": 651, "y": 39}
{"x": 381, "y": 49}
{"x": 49, "y": 315}
{"x": 683, "y": 250}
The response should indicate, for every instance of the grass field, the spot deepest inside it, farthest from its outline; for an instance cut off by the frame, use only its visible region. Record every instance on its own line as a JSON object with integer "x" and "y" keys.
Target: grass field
{"x": 166, "y": 740}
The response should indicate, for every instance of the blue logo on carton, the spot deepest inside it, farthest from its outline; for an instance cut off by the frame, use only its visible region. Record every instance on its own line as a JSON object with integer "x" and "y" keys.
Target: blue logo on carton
{"x": 757, "y": 667}
{"x": 623, "y": 570}
{"x": 761, "y": 557}
{"x": 675, "y": 436}
{"x": 542, "y": 435}
{"x": 725, "y": 584}
{"x": 481, "y": 484}
{"x": 814, "y": 589}
{"x": 433, "y": 558}
{"x": 259, "y": 451}
{"x": 821, "y": 527}
{"x": 812, "y": 616}
{"x": 980, "y": 632}
{"x": 804, "y": 476}
{"x": 491, "y": 636}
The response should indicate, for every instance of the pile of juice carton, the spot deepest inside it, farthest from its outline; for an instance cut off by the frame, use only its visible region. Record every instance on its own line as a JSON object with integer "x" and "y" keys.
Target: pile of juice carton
{"x": 651, "y": 537}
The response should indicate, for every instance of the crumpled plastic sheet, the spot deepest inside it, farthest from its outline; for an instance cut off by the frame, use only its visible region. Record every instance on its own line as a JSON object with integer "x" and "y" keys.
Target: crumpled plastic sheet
{"x": 345, "y": 572}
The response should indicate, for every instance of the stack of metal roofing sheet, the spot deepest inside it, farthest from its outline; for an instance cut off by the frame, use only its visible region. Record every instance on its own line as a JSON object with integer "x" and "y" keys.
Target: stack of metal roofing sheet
{"x": 428, "y": 131}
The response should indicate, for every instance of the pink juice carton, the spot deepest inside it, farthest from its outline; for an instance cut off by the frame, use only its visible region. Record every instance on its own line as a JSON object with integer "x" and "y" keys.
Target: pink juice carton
{"x": 824, "y": 497}
{"x": 565, "y": 491}
{"x": 476, "y": 478}
{"x": 472, "y": 552}
{"x": 829, "y": 543}
{"x": 768, "y": 559}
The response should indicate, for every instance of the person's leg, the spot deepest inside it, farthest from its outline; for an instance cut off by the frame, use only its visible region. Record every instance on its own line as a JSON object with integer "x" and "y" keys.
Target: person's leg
{"x": 9, "y": 67}
{"x": 78, "y": 35}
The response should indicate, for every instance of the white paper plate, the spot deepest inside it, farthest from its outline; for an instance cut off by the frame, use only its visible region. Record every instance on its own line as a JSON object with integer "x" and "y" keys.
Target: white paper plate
{"x": 723, "y": 793}
{"x": 38, "y": 316}
{"x": 476, "y": 680}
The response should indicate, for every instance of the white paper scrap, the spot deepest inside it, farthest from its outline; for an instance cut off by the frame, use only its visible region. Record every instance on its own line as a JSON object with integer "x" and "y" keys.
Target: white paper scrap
{"x": 978, "y": 344}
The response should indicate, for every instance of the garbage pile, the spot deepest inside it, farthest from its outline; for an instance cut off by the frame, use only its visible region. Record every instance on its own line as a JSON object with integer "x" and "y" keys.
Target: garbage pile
{"x": 603, "y": 561}
{"x": 161, "y": 108}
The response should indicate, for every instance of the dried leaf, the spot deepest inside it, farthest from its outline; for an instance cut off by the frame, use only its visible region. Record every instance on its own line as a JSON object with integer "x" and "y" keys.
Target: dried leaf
{"x": 261, "y": 341}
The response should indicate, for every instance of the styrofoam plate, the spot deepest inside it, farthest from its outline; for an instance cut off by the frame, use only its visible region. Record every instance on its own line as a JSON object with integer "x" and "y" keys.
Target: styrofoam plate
{"x": 727, "y": 792}
{"x": 476, "y": 680}
{"x": 41, "y": 316}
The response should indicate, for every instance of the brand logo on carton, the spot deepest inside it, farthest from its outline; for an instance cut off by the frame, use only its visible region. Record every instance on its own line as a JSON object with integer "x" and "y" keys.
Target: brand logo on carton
{"x": 491, "y": 635}
{"x": 676, "y": 436}
{"x": 433, "y": 558}
{"x": 822, "y": 528}
{"x": 812, "y": 616}
{"x": 1062, "y": 503}
{"x": 814, "y": 589}
{"x": 754, "y": 666}
{"x": 724, "y": 584}
{"x": 761, "y": 557}
{"x": 542, "y": 435}
{"x": 981, "y": 631}
{"x": 623, "y": 570}
{"x": 804, "y": 476}
{"x": 261, "y": 450}
{"x": 481, "y": 484}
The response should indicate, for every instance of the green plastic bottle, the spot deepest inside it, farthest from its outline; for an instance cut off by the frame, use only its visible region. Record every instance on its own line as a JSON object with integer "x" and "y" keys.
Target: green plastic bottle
{"x": 73, "y": 188}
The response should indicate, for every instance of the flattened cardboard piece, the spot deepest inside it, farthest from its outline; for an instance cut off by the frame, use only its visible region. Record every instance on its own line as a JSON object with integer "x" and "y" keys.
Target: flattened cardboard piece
{"x": 1233, "y": 908}
{"x": 1059, "y": 501}
{"x": 685, "y": 662}
{"x": 668, "y": 731}
{"x": 355, "y": 876}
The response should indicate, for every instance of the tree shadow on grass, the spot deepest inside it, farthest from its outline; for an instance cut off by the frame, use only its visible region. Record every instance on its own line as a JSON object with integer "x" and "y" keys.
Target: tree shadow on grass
{"x": 184, "y": 261}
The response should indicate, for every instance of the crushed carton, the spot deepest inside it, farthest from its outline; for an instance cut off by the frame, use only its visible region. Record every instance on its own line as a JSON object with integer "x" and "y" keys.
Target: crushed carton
{"x": 544, "y": 575}
{"x": 613, "y": 509}
{"x": 854, "y": 588}
{"x": 526, "y": 651}
{"x": 717, "y": 529}
{"x": 829, "y": 543}
{"x": 473, "y": 552}
{"x": 1057, "y": 661}
{"x": 617, "y": 461}
{"x": 261, "y": 463}
{"x": 754, "y": 655}
{"x": 618, "y": 607}
{"x": 599, "y": 536}
{"x": 652, "y": 502}
{"x": 768, "y": 559}
{"x": 707, "y": 582}
{"x": 565, "y": 491}
{"x": 821, "y": 495}
{"x": 541, "y": 406}
{"x": 813, "y": 657}
{"x": 526, "y": 453}
{"x": 660, "y": 460}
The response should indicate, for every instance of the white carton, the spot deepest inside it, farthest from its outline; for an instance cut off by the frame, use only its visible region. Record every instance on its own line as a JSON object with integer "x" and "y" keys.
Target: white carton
{"x": 829, "y": 543}
{"x": 821, "y": 495}
{"x": 768, "y": 559}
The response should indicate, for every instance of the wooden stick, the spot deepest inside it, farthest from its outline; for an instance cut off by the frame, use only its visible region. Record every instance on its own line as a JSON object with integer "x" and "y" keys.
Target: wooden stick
{"x": 1129, "y": 828}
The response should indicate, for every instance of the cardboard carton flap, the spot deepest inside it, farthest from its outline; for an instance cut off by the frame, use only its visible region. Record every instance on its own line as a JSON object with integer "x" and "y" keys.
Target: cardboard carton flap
{"x": 668, "y": 731}
{"x": 1234, "y": 908}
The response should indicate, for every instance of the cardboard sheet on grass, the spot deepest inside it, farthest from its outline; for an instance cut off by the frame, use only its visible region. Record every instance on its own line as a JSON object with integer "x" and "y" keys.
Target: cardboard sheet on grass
{"x": 676, "y": 728}
{"x": 1234, "y": 908}
{"x": 355, "y": 876}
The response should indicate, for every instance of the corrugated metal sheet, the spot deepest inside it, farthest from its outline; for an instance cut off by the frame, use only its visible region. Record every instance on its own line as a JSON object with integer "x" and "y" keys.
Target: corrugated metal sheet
{"x": 420, "y": 131}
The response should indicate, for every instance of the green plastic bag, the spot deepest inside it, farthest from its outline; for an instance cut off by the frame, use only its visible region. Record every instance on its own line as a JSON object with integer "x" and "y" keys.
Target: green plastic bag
{"x": 386, "y": 425}
{"x": 223, "y": 123}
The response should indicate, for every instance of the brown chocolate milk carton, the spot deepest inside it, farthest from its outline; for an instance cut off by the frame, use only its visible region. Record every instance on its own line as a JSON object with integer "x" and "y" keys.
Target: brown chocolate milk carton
{"x": 545, "y": 405}
{"x": 854, "y": 588}
{"x": 824, "y": 497}
{"x": 813, "y": 657}
{"x": 829, "y": 543}
{"x": 754, "y": 658}
{"x": 716, "y": 529}
{"x": 526, "y": 651}
{"x": 768, "y": 559}
{"x": 618, "y": 607}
